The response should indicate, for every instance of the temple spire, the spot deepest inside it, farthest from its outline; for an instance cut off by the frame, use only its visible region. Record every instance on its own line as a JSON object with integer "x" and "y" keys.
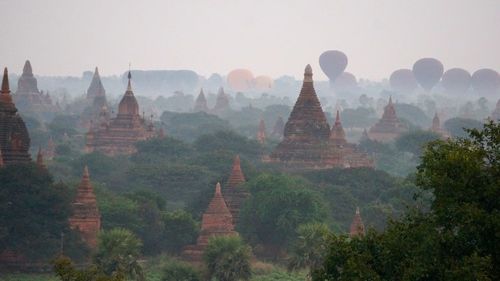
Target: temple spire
{"x": 129, "y": 86}
{"x": 337, "y": 118}
{"x": 5, "y": 82}
{"x": 27, "y": 69}
{"x": 308, "y": 74}
{"x": 39, "y": 159}
{"x": 357, "y": 226}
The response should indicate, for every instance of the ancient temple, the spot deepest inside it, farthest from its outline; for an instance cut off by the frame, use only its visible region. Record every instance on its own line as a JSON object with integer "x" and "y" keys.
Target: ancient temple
{"x": 216, "y": 221}
{"x": 28, "y": 97}
{"x": 388, "y": 127}
{"x": 436, "y": 127}
{"x": 14, "y": 137}
{"x": 221, "y": 102}
{"x": 233, "y": 192}
{"x": 261, "y": 134}
{"x": 278, "y": 128}
{"x": 200, "y": 105}
{"x": 96, "y": 97}
{"x": 113, "y": 136}
{"x": 86, "y": 217}
{"x": 308, "y": 142}
{"x": 495, "y": 115}
{"x": 357, "y": 226}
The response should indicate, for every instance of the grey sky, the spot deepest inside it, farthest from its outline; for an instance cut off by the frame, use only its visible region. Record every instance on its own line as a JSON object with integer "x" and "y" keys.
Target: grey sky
{"x": 268, "y": 37}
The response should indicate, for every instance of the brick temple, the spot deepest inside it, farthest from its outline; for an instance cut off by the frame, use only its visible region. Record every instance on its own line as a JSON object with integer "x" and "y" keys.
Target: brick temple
{"x": 113, "y": 136}
{"x": 308, "y": 141}
{"x": 14, "y": 137}
{"x": 357, "y": 227}
{"x": 86, "y": 217}
{"x": 389, "y": 127}
{"x": 233, "y": 192}
{"x": 216, "y": 221}
{"x": 28, "y": 97}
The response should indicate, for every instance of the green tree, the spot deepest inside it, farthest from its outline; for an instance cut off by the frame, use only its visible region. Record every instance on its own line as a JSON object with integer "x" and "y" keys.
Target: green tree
{"x": 278, "y": 205}
{"x": 230, "y": 141}
{"x": 414, "y": 142}
{"x": 65, "y": 270}
{"x": 457, "y": 126}
{"x": 310, "y": 246}
{"x": 118, "y": 251}
{"x": 227, "y": 258}
{"x": 180, "y": 229}
{"x": 190, "y": 126}
{"x": 179, "y": 271}
{"x": 34, "y": 211}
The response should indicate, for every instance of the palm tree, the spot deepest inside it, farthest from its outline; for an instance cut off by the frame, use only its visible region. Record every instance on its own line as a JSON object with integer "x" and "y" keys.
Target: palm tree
{"x": 228, "y": 258}
{"x": 118, "y": 252}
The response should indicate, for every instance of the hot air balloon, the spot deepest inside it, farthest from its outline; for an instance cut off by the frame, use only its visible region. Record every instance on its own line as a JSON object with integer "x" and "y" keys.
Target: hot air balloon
{"x": 456, "y": 81}
{"x": 240, "y": 80}
{"x": 333, "y": 64}
{"x": 486, "y": 82}
{"x": 428, "y": 72}
{"x": 345, "y": 82}
{"x": 263, "y": 82}
{"x": 403, "y": 81}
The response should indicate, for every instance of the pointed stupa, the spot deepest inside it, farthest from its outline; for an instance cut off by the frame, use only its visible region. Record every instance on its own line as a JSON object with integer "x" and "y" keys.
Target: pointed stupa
{"x": 279, "y": 127}
{"x": 233, "y": 192}
{"x": 128, "y": 105}
{"x": 221, "y": 102}
{"x": 200, "y": 103}
{"x": 307, "y": 119}
{"x": 39, "y": 159}
{"x": 436, "y": 124}
{"x": 357, "y": 226}
{"x": 96, "y": 89}
{"x": 86, "y": 217}
{"x": 14, "y": 137}
{"x": 338, "y": 135}
{"x": 261, "y": 134}
{"x": 27, "y": 83}
{"x": 217, "y": 219}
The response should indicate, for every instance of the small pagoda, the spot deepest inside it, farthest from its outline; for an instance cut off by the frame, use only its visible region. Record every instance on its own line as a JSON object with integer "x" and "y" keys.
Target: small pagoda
{"x": 357, "y": 228}
{"x": 86, "y": 217}
{"x": 96, "y": 99}
{"x": 200, "y": 105}
{"x": 233, "y": 192}
{"x": 389, "y": 127}
{"x": 14, "y": 137}
{"x": 28, "y": 97}
{"x": 308, "y": 142}
{"x": 119, "y": 135}
{"x": 216, "y": 221}
{"x": 436, "y": 127}
{"x": 221, "y": 102}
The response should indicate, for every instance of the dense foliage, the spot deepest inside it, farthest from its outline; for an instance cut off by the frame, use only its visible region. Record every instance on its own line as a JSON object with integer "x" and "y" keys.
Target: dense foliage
{"x": 227, "y": 258}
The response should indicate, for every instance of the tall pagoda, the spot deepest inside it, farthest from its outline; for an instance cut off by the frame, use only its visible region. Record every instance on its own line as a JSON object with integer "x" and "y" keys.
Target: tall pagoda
{"x": 28, "y": 97}
{"x": 233, "y": 192}
{"x": 14, "y": 137}
{"x": 221, "y": 102}
{"x": 216, "y": 221}
{"x": 389, "y": 127}
{"x": 119, "y": 135}
{"x": 86, "y": 217}
{"x": 308, "y": 142}
{"x": 357, "y": 227}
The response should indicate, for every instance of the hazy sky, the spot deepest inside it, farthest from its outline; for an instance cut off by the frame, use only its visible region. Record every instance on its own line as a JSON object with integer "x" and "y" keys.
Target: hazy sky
{"x": 273, "y": 37}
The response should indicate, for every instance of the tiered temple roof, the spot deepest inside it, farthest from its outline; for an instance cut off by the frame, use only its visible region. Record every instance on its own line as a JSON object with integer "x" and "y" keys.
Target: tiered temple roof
{"x": 357, "y": 226}
{"x": 14, "y": 137}
{"x": 200, "y": 103}
{"x": 216, "y": 221}
{"x": 86, "y": 217}
{"x": 119, "y": 135}
{"x": 388, "y": 127}
{"x": 28, "y": 97}
{"x": 308, "y": 142}
{"x": 96, "y": 96}
{"x": 96, "y": 89}
{"x": 233, "y": 192}
{"x": 261, "y": 134}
